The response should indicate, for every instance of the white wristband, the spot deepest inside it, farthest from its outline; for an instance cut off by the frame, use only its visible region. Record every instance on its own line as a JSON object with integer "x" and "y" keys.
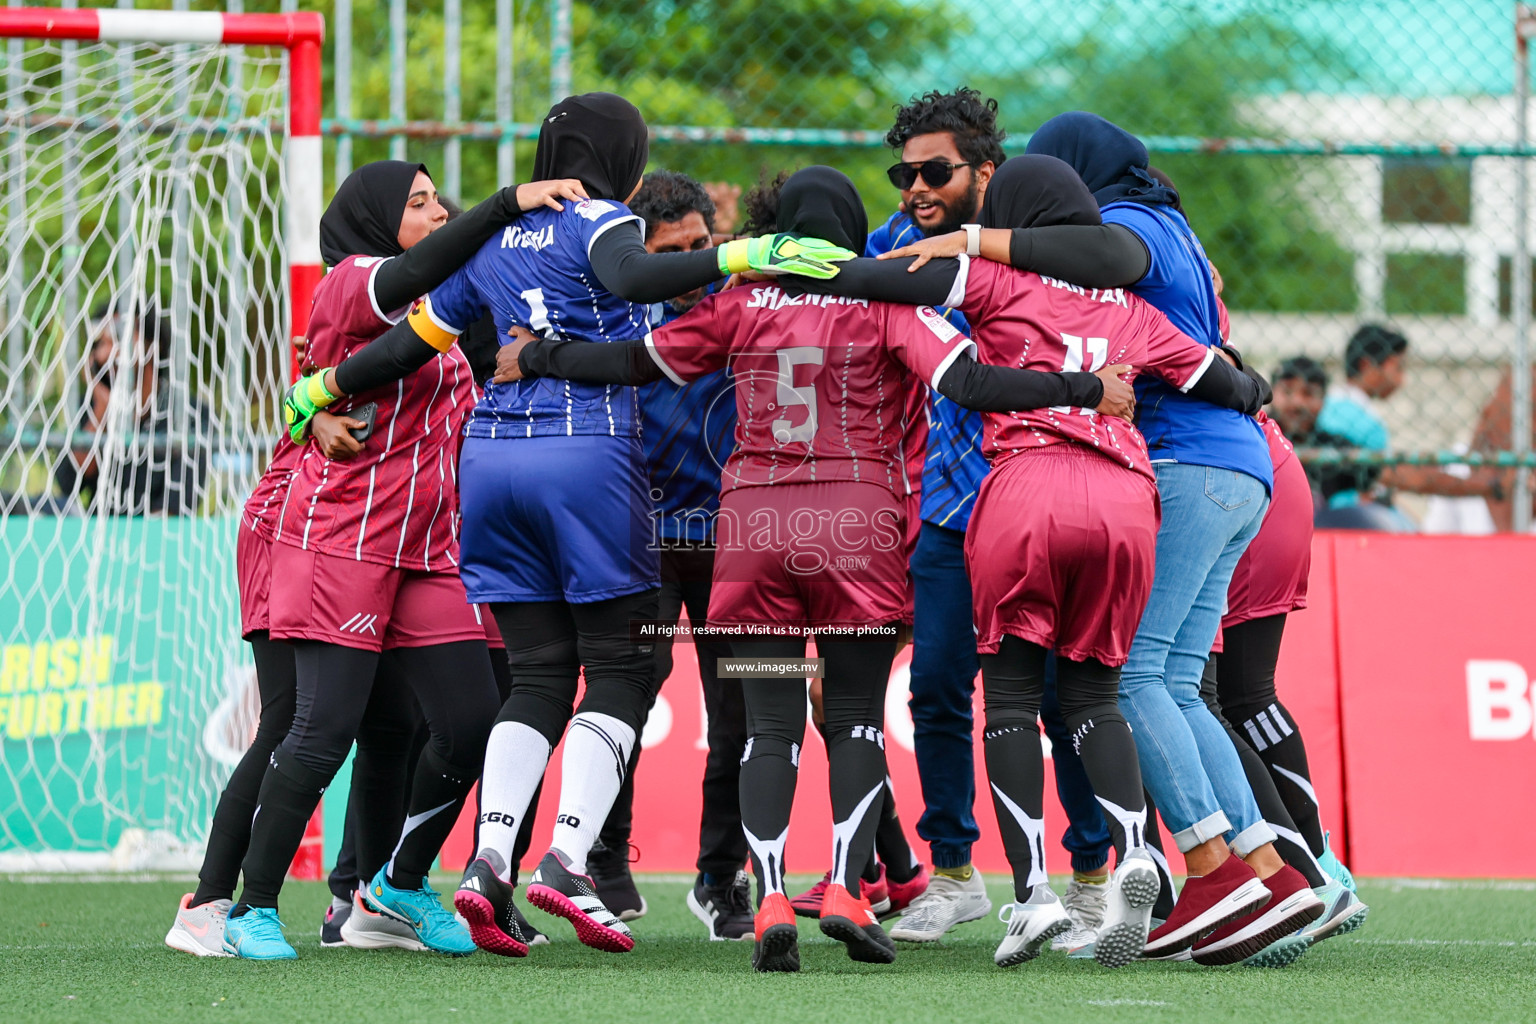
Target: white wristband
{"x": 972, "y": 239}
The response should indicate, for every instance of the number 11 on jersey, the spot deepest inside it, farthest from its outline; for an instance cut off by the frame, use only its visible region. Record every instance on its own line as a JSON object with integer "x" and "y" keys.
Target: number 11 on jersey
{"x": 1096, "y": 351}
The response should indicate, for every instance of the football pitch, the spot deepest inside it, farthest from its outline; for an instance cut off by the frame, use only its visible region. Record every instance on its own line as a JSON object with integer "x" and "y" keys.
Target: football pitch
{"x": 92, "y": 951}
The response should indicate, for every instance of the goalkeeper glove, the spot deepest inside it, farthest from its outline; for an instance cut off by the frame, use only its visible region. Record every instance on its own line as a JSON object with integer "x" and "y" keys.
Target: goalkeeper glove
{"x": 783, "y": 254}
{"x": 306, "y": 396}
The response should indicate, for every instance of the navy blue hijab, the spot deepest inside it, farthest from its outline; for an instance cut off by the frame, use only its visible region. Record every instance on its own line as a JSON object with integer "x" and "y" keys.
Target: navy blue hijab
{"x": 1111, "y": 161}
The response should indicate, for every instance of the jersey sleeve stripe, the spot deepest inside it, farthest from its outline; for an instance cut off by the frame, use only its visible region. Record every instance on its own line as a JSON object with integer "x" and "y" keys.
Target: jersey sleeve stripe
{"x": 1194, "y": 378}
{"x": 429, "y": 328}
{"x": 938, "y": 374}
{"x": 604, "y": 229}
{"x": 373, "y": 300}
{"x": 957, "y": 290}
{"x": 650, "y": 346}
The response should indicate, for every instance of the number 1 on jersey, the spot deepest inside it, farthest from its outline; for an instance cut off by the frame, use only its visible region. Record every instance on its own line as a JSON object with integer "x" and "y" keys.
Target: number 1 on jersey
{"x": 1096, "y": 350}
{"x": 538, "y": 313}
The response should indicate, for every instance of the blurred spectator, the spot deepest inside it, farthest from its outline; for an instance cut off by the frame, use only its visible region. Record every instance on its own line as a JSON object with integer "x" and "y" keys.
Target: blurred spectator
{"x": 154, "y": 472}
{"x": 1374, "y": 369}
{"x": 1495, "y": 433}
{"x": 726, "y": 197}
{"x": 1300, "y": 387}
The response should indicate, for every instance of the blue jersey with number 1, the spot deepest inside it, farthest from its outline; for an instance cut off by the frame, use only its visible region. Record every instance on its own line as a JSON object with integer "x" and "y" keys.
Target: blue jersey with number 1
{"x": 537, "y": 274}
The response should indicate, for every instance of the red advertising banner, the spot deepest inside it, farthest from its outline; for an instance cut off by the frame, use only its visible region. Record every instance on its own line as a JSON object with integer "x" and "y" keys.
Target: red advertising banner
{"x": 1437, "y": 642}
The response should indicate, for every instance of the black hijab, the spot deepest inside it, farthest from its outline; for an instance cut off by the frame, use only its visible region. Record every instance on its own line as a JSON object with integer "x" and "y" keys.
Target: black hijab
{"x": 1034, "y": 191}
{"x": 598, "y": 138}
{"x": 1111, "y": 161}
{"x": 364, "y": 216}
{"x": 823, "y": 202}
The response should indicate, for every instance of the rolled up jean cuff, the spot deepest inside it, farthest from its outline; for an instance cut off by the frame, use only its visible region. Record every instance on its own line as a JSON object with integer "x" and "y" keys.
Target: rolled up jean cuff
{"x": 1253, "y": 837}
{"x": 1203, "y": 831}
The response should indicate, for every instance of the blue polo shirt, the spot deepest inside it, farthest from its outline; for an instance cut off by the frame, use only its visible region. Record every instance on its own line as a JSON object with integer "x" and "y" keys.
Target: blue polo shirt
{"x": 1179, "y": 427}
{"x": 954, "y": 467}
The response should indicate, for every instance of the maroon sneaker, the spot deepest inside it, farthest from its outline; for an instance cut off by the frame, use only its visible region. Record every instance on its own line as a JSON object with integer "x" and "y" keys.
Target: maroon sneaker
{"x": 1292, "y": 904}
{"x": 903, "y": 893}
{"x": 808, "y": 903}
{"x": 1205, "y": 903}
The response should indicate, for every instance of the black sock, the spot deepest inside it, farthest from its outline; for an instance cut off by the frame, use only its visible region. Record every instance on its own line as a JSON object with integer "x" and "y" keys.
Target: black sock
{"x": 1088, "y": 692}
{"x": 1013, "y": 681}
{"x": 853, "y": 704}
{"x": 770, "y": 765}
{"x": 230, "y": 833}
{"x": 289, "y": 794}
{"x": 891, "y": 842}
{"x": 438, "y": 790}
{"x": 1288, "y": 841}
{"x": 1246, "y": 686}
{"x": 1164, "y": 905}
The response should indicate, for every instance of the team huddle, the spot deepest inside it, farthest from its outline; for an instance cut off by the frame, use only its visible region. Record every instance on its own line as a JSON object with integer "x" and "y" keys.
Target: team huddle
{"x": 1006, "y": 425}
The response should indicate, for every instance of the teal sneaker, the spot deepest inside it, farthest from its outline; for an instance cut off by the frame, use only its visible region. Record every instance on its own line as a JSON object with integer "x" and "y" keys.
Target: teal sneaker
{"x": 1343, "y": 912}
{"x": 257, "y": 934}
{"x": 423, "y": 910}
{"x": 1335, "y": 867}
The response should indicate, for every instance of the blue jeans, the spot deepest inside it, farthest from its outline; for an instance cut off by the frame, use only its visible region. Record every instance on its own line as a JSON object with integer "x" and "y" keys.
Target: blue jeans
{"x": 944, "y": 667}
{"x": 1187, "y": 760}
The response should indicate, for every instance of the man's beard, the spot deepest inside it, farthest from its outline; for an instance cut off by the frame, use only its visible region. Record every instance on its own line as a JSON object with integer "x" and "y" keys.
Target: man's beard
{"x": 683, "y": 303}
{"x": 965, "y": 212}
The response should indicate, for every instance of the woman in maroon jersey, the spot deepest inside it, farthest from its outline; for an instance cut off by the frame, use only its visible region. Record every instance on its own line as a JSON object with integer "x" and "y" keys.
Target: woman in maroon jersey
{"x": 364, "y": 557}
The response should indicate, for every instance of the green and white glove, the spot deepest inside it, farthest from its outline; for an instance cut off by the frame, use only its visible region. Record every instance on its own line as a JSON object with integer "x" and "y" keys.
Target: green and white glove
{"x": 305, "y": 397}
{"x": 783, "y": 254}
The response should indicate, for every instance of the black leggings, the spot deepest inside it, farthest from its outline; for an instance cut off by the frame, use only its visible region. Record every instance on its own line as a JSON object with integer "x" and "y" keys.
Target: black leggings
{"x": 454, "y": 685}
{"x": 853, "y": 703}
{"x": 1013, "y": 681}
{"x": 1245, "y": 674}
{"x": 230, "y": 832}
{"x": 550, "y": 643}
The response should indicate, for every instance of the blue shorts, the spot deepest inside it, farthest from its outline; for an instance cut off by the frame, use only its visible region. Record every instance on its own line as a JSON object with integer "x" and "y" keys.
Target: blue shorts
{"x": 556, "y": 519}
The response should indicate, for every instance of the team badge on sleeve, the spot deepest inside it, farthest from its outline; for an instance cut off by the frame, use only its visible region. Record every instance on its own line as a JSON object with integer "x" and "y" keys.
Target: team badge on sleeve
{"x": 594, "y": 209}
{"x": 935, "y": 322}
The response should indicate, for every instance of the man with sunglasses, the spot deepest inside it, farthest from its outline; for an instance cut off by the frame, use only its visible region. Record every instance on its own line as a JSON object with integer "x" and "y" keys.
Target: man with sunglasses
{"x": 950, "y": 144}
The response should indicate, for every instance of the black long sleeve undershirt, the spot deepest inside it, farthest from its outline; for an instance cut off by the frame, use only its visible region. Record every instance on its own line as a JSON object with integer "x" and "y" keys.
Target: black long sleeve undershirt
{"x": 619, "y": 261}
{"x": 433, "y": 260}
{"x": 1093, "y": 255}
{"x": 966, "y": 382}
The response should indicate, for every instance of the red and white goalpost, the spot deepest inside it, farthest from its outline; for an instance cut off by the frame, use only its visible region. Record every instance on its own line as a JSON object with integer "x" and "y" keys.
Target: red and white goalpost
{"x": 160, "y": 177}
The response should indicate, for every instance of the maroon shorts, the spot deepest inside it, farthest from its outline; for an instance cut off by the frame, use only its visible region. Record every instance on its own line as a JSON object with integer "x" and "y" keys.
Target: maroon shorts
{"x": 1271, "y": 577}
{"x": 253, "y": 569}
{"x": 809, "y": 555}
{"x": 372, "y": 607}
{"x": 1060, "y": 550}
{"x": 493, "y": 638}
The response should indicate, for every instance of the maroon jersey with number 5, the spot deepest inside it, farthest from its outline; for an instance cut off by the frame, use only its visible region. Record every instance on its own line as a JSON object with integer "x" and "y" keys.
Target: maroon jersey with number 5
{"x": 822, "y": 383}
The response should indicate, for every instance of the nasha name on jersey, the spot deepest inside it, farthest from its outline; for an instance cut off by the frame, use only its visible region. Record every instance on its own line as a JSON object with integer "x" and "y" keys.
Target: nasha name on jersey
{"x": 515, "y": 237}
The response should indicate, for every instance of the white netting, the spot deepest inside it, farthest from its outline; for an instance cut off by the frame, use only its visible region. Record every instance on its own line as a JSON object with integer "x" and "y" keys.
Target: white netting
{"x": 143, "y": 316}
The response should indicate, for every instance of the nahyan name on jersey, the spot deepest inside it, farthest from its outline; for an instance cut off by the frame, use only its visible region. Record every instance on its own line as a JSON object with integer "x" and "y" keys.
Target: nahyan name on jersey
{"x": 774, "y": 297}
{"x": 516, "y": 238}
{"x": 1115, "y": 295}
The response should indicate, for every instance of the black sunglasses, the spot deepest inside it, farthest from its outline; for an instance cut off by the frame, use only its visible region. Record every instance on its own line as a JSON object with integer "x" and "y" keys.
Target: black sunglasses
{"x": 934, "y": 172}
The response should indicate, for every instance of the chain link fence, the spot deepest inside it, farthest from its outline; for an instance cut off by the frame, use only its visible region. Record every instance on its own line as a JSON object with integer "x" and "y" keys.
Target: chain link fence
{"x": 1345, "y": 162}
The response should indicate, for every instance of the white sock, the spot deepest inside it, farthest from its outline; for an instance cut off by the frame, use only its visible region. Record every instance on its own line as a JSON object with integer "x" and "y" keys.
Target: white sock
{"x": 597, "y": 750}
{"x": 515, "y": 759}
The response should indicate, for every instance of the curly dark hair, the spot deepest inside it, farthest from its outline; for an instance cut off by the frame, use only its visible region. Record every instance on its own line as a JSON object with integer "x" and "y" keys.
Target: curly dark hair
{"x": 667, "y": 196}
{"x": 966, "y": 114}
{"x": 762, "y": 205}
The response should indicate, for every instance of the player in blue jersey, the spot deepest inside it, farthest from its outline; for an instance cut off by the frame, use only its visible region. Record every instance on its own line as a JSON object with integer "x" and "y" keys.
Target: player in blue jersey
{"x": 556, "y": 500}
{"x": 950, "y": 145}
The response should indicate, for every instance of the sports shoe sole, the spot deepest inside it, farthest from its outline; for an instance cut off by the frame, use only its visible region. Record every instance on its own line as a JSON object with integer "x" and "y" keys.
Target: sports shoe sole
{"x": 1120, "y": 943}
{"x": 178, "y": 939}
{"x": 779, "y": 950}
{"x": 631, "y": 914}
{"x": 589, "y": 931}
{"x": 360, "y": 939}
{"x": 1035, "y": 946}
{"x": 480, "y": 916}
{"x": 1349, "y": 920}
{"x": 1276, "y": 923}
{"x": 709, "y": 922}
{"x": 901, "y": 935}
{"x": 1280, "y": 954}
{"x": 861, "y": 946}
{"x": 1233, "y": 905}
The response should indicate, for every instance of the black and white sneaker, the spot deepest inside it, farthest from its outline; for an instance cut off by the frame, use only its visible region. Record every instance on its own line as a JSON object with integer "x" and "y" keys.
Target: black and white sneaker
{"x": 484, "y": 901}
{"x": 609, "y": 870}
{"x": 556, "y": 889}
{"x": 335, "y": 916}
{"x": 726, "y": 910}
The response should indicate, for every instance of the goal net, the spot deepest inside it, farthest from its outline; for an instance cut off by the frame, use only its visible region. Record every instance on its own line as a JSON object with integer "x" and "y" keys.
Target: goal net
{"x": 144, "y": 336}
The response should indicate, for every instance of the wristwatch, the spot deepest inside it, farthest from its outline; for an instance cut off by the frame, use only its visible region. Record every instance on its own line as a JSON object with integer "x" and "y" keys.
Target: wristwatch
{"x": 972, "y": 239}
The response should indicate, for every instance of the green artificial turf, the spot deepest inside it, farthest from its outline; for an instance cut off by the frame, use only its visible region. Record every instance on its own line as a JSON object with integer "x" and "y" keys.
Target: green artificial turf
{"x": 92, "y": 951}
